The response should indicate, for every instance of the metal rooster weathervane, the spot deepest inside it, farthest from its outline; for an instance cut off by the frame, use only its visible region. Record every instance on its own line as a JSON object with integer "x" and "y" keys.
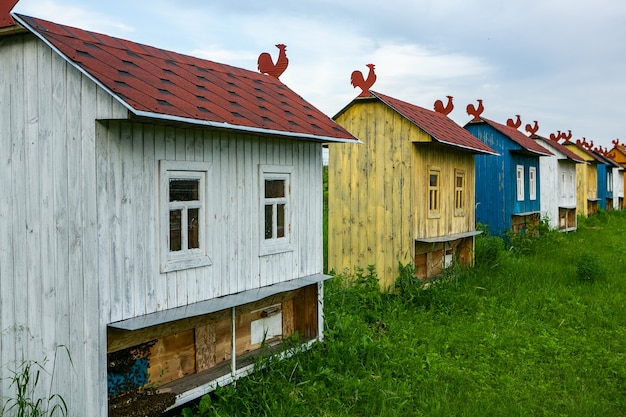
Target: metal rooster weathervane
{"x": 266, "y": 64}
{"x": 357, "y": 80}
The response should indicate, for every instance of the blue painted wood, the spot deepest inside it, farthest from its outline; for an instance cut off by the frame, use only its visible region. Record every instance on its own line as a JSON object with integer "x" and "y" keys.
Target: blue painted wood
{"x": 496, "y": 180}
{"x": 602, "y": 186}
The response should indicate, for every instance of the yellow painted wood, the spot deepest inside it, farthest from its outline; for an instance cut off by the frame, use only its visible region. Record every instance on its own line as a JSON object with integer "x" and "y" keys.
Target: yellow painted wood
{"x": 378, "y": 191}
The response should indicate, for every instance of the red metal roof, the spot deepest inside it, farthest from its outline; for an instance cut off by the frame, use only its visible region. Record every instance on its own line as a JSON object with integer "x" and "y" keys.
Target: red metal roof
{"x": 563, "y": 149}
{"x": 518, "y": 137}
{"x": 440, "y": 127}
{"x": 157, "y": 83}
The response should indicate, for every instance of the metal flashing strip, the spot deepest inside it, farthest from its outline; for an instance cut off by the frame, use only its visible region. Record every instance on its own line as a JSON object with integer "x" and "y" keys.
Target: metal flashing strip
{"x": 224, "y": 125}
{"x": 448, "y": 238}
{"x": 216, "y": 304}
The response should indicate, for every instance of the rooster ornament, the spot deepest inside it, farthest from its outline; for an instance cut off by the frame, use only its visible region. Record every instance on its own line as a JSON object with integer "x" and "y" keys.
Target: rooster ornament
{"x": 267, "y": 66}
{"x": 357, "y": 80}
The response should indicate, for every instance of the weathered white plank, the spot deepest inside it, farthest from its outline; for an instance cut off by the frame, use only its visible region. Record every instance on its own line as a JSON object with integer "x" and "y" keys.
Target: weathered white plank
{"x": 125, "y": 245}
{"x": 7, "y": 137}
{"x": 161, "y": 282}
{"x": 18, "y": 187}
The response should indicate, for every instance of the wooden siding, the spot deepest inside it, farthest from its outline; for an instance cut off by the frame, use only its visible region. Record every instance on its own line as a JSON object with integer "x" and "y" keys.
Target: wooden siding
{"x": 369, "y": 193}
{"x": 81, "y": 216}
{"x": 49, "y": 285}
{"x": 378, "y": 191}
{"x": 128, "y": 157}
{"x": 586, "y": 181}
{"x": 557, "y": 190}
{"x": 496, "y": 186}
{"x": 448, "y": 161}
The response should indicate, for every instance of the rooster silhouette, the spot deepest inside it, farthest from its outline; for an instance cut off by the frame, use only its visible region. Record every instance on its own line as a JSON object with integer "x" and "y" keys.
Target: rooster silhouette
{"x": 615, "y": 142}
{"x": 439, "y": 108}
{"x": 267, "y": 66}
{"x": 475, "y": 111}
{"x": 514, "y": 124}
{"x": 532, "y": 129}
{"x": 357, "y": 80}
{"x": 567, "y": 136}
{"x": 556, "y": 136}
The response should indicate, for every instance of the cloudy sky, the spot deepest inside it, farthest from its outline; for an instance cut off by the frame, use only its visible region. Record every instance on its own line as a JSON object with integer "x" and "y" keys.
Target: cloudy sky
{"x": 560, "y": 62}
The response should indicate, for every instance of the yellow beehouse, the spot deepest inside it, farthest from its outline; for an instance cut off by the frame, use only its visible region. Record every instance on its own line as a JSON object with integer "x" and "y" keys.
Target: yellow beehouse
{"x": 406, "y": 194}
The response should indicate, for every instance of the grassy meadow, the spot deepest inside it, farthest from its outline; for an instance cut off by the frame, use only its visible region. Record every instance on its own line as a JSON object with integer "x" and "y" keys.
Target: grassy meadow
{"x": 536, "y": 328}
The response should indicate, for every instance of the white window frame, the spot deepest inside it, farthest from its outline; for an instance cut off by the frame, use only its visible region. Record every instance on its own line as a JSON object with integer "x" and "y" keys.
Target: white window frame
{"x": 276, "y": 244}
{"x": 532, "y": 183}
{"x": 185, "y": 258}
{"x": 609, "y": 180}
{"x": 520, "y": 182}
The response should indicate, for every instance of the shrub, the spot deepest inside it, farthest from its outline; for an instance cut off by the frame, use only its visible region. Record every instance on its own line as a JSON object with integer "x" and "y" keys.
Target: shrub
{"x": 488, "y": 249}
{"x": 589, "y": 269}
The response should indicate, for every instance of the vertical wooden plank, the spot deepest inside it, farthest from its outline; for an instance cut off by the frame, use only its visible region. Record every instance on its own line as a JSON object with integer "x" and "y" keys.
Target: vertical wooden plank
{"x": 76, "y": 229}
{"x": 205, "y": 347}
{"x": 32, "y": 279}
{"x": 93, "y": 327}
{"x": 9, "y": 135}
{"x": 62, "y": 219}
{"x": 161, "y": 284}
{"x": 173, "y": 279}
{"x": 113, "y": 218}
{"x": 125, "y": 239}
{"x": 149, "y": 217}
{"x": 232, "y": 214}
{"x": 139, "y": 201}
{"x": 193, "y": 275}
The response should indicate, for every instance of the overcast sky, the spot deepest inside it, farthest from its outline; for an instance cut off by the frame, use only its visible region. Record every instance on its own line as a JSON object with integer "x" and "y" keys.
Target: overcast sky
{"x": 560, "y": 62}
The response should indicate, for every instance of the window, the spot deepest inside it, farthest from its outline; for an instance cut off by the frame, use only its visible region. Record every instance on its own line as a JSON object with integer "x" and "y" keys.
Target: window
{"x": 609, "y": 181}
{"x": 564, "y": 185}
{"x": 183, "y": 215}
{"x": 275, "y": 209}
{"x": 459, "y": 193}
{"x": 532, "y": 183}
{"x": 520, "y": 183}
{"x": 434, "y": 196}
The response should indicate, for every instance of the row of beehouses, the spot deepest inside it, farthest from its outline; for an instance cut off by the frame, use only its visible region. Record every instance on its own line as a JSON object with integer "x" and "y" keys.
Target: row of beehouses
{"x": 415, "y": 189}
{"x": 161, "y": 215}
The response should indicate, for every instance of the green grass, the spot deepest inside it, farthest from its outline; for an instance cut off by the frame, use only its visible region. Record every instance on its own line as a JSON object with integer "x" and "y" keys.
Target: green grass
{"x": 525, "y": 332}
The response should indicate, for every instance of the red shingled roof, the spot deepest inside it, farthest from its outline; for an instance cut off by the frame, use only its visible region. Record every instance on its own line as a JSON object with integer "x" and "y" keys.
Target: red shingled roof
{"x": 563, "y": 149}
{"x": 156, "y": 83}
{"x": 439, "y": 126}
{"x": 518, "y": 137}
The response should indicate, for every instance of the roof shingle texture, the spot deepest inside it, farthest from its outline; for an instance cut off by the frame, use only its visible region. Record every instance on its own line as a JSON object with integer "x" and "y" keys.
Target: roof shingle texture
{"x": 156, "y": 82}
{"x": 439, "y": 126}
{"x": 561, "y": 148}
{"x": 518, "y": 137}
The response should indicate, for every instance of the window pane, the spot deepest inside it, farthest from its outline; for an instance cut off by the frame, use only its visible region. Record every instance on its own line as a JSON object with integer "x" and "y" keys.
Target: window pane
{"x": 280, "y": 220}
{"x": 459, "y": 181}
{"x": 193, "y": 217}
{"x": 274, "y": 188}
{"x": 184, "y": 190}
{"x": 269, "y": 221}
{"x": 175, "y": 230}
{"x": 433, "y": 180}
